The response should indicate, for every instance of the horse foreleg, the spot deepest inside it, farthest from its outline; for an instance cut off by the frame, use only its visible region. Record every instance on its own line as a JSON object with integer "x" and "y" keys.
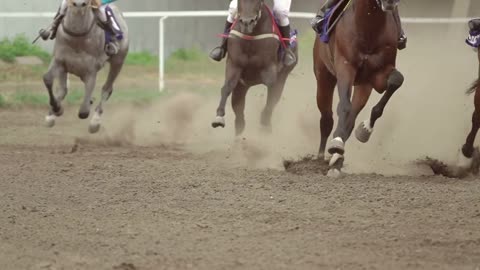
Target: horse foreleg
{"x": 238, "y": 105}
{"x": 275, "y": 92}
{"x": 394, "y": 82}
{"x": 89, "y": 82}
{"x": 232, "y": 78}
{"x": 107, "y": 90}
{"x": 325, "y": 88}
{"x": 466, "y": 158}
{"x": 55, "y": 108}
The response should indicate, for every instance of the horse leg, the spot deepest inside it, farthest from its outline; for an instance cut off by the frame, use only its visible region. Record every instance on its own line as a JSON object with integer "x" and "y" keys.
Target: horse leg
{"x": 232, "y": 78}
{"x": 360, "y": 98}
{"x": 238, "y": 105}
{"x": 275, "y": 92}
{"x": 116, "y": 65}
{"x": 466, "y": 158}
{"x": 89, "y": 82}
{"x": 325, "y": 88}
{"x": 55, "y": 107}
{"x": 394, "y": 82}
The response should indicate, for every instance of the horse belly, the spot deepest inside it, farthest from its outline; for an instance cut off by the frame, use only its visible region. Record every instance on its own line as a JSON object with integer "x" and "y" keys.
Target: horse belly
{"x": 80, "y": 64}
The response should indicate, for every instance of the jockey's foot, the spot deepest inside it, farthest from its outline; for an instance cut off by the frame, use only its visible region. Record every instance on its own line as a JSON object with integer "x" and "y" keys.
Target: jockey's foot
{"x": 402, "y": 42}
{"x": 112, "y": 48}
{"x": 220, "y": 52}
{"x": 317, "y": 23}
{"x": 290, "y": 58}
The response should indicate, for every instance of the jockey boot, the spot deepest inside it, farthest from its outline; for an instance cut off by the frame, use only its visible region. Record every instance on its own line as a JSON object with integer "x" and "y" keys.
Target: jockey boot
{"x": 113, "y": 30}
{"x": 289, "y": 58}
{"x": 402, "y": 40}
{"x": 317, "y": 22}
{"x": 219, "y": 52}
{"x": 52, "y": 32}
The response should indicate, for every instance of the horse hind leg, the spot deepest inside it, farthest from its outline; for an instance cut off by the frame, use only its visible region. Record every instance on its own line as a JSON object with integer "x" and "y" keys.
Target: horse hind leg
{"x": 238, "y": 105}
{"x": 273, "y": 97}
{"x": 365, "y": 129}
{"x": 56, "y": 109}
{"x": 107, "y": 90}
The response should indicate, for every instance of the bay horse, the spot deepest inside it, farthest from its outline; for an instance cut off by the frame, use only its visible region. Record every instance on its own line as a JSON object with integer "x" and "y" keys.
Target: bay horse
{"x": 254, "y": 58}
{"x": 79, "y": 50}
{"x": 466, "y": 157}
{"x": 361, "y": 54}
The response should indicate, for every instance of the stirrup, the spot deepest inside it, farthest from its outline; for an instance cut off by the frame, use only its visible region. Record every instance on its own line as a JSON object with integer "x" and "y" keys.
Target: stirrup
{"x": 112, "y": 48}
{"x": 45, "y": 34}
{"x": 317, "y": 23}
{"x": 402, "y": 42}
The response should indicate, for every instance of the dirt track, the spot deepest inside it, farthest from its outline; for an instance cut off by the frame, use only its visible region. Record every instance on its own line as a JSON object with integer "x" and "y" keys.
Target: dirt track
{"x": 114, "y": 204}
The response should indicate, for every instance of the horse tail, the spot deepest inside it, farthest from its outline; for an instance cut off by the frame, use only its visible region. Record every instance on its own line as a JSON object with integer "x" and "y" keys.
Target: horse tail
{"x": 475, "y": 85}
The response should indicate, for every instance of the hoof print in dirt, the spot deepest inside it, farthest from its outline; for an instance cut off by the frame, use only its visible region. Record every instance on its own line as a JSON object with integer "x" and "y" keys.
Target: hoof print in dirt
{"x": 125, "y": 266}
{"x": 306, "y": 165}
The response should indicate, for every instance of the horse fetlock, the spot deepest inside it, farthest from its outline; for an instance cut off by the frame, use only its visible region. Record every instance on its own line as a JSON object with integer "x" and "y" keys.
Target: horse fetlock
{"x": 395, "y": 80}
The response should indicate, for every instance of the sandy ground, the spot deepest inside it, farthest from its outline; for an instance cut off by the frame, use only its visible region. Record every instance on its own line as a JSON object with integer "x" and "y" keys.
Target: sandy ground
{"x": 159, "y": 189}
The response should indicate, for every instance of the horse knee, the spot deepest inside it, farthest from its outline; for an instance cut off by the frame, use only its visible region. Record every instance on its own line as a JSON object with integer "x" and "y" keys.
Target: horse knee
{"x": 48, "y": 79}
{"x": 395, "y": 80}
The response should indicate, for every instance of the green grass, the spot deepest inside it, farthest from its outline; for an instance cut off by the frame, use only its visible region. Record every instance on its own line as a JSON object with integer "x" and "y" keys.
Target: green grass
{"x": 20, "y": 46}
{"x": 141, "y": 59}
{"x": 28, "y": 98}
{"x": 3, "y": 102}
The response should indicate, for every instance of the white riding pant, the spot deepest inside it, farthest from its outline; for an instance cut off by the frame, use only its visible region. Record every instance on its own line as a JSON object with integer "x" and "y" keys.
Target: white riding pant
{"x": 281, "y": 9}
{"x": 102, "y": 15}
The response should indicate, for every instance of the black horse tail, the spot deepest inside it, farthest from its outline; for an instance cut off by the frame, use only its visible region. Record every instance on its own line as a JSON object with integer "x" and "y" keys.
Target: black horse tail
{"x": 474, "y": 87}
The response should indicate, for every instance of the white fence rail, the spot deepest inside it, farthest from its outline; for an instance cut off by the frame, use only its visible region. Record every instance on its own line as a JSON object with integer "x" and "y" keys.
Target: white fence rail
{"x": 164, "y": 15}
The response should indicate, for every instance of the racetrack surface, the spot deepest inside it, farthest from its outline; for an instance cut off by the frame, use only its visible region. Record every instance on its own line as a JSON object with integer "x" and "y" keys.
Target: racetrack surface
{"x": 159, "y": 189}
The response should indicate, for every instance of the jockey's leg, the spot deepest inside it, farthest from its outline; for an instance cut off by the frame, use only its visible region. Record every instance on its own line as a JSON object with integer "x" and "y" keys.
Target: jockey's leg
{"x": 281, "y": 9}
{"x": 402, "y": 40}
{"x": 52, "y": 32}
{"x": 219, "y": 52}
{"x": 107, "y": 19}
{"x": 317, "y": 22}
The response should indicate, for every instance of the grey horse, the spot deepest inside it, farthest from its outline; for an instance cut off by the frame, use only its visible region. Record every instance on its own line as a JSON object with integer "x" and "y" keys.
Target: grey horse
{"x": 79, "y": 50}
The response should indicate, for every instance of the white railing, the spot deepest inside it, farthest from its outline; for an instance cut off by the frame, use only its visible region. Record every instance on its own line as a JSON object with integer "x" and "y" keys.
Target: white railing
{"x": 164, "y": 15}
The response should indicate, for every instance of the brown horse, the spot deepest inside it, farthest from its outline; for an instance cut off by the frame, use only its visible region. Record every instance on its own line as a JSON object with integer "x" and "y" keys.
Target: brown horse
{"x": 468, "y": 149}
{"x": 361, "y": 54}
{"x": 253, "y": 59}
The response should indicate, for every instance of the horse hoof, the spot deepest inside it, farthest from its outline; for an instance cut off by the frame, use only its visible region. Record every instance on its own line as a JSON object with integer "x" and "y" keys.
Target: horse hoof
{"x": 363, "y": 132}
{"x": 83, "y": 115}
{"x": 334, "y": 173}
{"x": 336, "y": 161}
{"x": 93, "y": 128}
{"x": 219, "y": 122}
{"x": 337, "y": 146}
{"x": 464, "y": 162}
{"x": 50, "y": 120}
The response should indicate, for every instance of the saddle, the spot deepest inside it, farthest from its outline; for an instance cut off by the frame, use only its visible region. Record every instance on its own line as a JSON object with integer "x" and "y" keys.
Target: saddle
{"x": 332, "y": 17}
{"x": 473, "y": 38}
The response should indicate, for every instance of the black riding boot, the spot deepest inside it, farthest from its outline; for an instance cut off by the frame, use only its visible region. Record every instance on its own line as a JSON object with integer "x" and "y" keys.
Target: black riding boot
{"x": 52, "y": 32}
{"x": 290, "y": 58}
{"x": 402, "y": 40}
{"x": 219, "y": 52}
{"x": 317, "y": 22}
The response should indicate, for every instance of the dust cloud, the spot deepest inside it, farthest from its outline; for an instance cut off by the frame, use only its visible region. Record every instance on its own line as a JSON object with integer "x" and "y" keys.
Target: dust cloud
{"x": 428, "y": 116}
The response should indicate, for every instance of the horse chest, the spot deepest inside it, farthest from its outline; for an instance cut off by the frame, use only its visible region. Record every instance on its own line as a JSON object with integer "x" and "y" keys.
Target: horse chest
{"x": 80, "y": 62}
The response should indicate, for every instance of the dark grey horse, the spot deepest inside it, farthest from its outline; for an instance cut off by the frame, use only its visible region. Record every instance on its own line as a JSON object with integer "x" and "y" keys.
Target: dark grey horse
{"x": 253, "y": 58}
{"x": 79, "y": 50}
